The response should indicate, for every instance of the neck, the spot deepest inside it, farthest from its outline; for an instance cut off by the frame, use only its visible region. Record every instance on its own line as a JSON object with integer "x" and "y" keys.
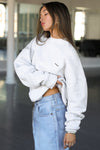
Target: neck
{"x": 55, "y": 34}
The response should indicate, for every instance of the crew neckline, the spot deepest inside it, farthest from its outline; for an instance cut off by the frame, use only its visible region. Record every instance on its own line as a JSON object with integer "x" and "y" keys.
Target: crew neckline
{"x": 57, "y": 38}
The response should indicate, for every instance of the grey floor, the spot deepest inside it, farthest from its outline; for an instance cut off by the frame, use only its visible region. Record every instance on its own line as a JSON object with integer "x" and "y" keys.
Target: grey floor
{"x": 16, "y": 113}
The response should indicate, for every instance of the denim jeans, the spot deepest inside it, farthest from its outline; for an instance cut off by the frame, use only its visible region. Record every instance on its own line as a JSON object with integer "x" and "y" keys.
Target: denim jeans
{"x": 48, "y": 118}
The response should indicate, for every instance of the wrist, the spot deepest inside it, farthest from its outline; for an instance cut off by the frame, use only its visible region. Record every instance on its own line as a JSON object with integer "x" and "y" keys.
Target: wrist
{"x": 71, "y": 132}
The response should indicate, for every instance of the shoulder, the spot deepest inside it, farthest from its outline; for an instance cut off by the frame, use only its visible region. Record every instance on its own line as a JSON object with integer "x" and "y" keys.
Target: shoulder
{"x": 69, "y": 50}
{"x": 31, "y": 42}
{"x": 36, "y": 43}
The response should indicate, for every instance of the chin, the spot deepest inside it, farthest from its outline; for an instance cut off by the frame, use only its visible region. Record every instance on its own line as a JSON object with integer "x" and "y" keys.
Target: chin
{"x": 45, "y": 29}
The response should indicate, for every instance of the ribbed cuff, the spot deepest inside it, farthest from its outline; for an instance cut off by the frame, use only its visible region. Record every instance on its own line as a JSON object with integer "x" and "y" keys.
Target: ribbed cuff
{"x": 46, "y": 76}
{"x": 73, "y": 132}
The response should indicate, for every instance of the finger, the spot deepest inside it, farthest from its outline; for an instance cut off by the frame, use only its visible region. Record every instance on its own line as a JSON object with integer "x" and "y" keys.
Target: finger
{"x": 70, "y": 144}
{"x": 65, "y": 142}
{"x": 59, "y": 82}
{"x": 65, "y": 147}
{"x": 74, "y": 142}
{"x": 58, "y": 76}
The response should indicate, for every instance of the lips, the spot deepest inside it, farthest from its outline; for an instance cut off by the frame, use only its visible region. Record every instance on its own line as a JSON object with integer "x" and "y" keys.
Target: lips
{"x": 42, "y": 23}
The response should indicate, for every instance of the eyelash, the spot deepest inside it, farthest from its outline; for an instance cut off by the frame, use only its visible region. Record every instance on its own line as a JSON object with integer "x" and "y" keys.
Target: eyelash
{"x": 44, "y": 15}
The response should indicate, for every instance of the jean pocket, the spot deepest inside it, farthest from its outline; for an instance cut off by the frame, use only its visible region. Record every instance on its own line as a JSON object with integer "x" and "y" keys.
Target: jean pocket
{"x": 44, "y": 110}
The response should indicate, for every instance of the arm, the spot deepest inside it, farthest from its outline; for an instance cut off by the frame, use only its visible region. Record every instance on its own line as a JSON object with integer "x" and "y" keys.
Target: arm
{"x": 76, "y": 91}
{"x": 27, "y": 72}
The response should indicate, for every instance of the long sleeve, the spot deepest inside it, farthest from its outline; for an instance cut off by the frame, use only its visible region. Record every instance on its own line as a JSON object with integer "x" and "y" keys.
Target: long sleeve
{"x": 76, "y": 91}
{"x": 27, "y": 72}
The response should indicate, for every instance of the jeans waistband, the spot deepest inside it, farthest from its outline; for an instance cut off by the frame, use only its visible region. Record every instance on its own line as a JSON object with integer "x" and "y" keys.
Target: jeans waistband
{"x": 48, "y": 98}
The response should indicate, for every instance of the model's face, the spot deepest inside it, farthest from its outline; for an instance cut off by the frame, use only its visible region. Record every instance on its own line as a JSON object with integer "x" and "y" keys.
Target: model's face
{"x": 45, "y": 19}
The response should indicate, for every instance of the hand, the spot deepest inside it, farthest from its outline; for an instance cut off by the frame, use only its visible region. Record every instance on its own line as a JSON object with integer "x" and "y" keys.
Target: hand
{"x": 58, "y": 81}
{"x": 69, "y": 139}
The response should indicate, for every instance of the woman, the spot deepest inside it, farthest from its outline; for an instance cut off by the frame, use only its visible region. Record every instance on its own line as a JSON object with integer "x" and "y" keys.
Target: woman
{"x": 50, "y": 66}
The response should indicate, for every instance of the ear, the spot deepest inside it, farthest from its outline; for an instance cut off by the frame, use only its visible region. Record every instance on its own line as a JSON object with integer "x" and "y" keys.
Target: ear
{"x": 56, "y": 19}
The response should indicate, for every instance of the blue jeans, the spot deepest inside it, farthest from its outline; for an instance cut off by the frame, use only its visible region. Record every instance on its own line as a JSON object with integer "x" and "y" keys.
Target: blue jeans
{"x": 48, "y": 118}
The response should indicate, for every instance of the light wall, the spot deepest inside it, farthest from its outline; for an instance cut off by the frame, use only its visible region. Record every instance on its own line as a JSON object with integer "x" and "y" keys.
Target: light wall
{"x": 93, "y": 25}
{"x": 93, "y": 14}
{"x": 93, "y": 4}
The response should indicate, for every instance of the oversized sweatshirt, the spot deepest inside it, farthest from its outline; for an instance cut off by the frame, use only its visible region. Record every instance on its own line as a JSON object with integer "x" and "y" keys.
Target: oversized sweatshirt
{"x": 38, "y": 66}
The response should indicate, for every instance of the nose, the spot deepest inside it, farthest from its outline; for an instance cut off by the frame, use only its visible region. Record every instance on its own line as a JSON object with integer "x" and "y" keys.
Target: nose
{"x": 41, "y": 19}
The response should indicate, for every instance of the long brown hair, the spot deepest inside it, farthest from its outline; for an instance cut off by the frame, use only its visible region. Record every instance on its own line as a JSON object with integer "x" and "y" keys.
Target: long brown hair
{"x": 61, "y": 11}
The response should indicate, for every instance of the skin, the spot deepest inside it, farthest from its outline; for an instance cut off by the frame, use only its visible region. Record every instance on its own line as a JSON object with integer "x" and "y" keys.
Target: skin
{"x": 46, "y": 23}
